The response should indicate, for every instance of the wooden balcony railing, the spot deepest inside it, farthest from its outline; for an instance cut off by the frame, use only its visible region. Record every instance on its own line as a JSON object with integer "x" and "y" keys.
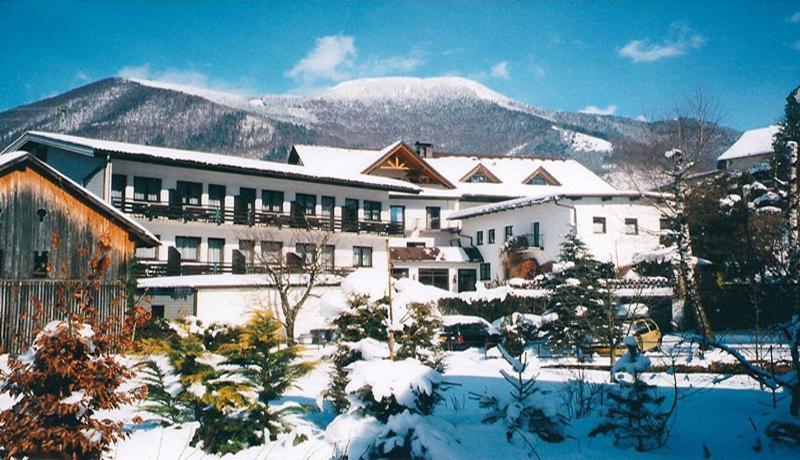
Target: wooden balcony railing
{"x": 215, "y": 215}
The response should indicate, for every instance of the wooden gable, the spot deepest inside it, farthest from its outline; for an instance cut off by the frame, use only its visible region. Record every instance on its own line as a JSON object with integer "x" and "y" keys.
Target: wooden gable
{"x": 478, "y": 171}
{"x": 402, "y": 163}
{"x": 542, "y": 175}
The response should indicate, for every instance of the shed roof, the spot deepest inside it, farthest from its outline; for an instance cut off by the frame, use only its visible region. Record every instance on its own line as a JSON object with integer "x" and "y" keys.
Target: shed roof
{"x": 11, "y": 160}
{"x": 751, "y": 143}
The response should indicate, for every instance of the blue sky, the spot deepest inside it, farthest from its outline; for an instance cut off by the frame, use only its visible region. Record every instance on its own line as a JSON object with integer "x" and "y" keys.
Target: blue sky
{"x": 631, "y": 58}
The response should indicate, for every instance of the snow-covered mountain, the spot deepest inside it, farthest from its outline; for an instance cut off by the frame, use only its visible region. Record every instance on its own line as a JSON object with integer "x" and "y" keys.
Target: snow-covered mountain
{"x": 455, "y": 114}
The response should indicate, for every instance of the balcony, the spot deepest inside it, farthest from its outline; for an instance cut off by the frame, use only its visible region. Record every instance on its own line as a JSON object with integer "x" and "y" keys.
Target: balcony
{"x": 157, "y": 268}
{"x": 219, "y": 216}
{"x": 526, "y": 242}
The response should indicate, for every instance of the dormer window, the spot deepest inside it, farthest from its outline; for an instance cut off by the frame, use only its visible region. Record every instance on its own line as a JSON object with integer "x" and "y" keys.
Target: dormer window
{"x": 479, "y": 175}
{"x": 541, "y": 177}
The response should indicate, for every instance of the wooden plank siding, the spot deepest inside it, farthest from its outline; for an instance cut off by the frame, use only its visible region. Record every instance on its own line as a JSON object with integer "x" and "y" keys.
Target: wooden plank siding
{"x": 27, "y": 305}
{"x": 69, "y": 229}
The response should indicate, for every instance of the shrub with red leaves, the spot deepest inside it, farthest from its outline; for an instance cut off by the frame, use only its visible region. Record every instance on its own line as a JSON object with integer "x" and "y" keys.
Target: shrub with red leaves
{"x": 74, "y": 368}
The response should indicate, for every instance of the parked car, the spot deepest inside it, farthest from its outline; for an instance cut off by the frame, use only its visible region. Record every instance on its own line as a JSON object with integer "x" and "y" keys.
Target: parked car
{"x": 460, "y": 332}
{"x": 644, "y": 330}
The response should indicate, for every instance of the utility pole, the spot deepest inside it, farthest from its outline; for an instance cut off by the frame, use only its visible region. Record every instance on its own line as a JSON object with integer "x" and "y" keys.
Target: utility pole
{"x": 390, "y": 335}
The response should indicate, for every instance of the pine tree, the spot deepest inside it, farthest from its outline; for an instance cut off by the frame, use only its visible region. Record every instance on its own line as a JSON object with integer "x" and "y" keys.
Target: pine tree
{"x": 335, "y": 392}
{"x": 165, "y": 395}
{"x": 634, "y": 415}
{"x": 577, "y": 295}
{"x": 521, "y": 414}
{"x": 418, "y": 337}
{"x": 265, "y": 366}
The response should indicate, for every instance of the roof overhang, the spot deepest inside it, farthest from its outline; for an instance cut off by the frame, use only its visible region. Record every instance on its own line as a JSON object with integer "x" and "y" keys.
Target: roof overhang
{"x": 410, "y": 155}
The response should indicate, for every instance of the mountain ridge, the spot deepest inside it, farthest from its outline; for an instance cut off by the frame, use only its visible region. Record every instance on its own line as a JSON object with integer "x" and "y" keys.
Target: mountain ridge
{"x": 454, "y": 113}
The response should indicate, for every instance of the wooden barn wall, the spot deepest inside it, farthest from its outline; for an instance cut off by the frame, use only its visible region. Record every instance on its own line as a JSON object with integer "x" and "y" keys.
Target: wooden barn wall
{"x": 70, "y": 230}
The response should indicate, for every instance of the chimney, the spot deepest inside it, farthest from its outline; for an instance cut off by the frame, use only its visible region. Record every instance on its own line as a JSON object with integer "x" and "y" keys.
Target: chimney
{"x": 424, "y": 149}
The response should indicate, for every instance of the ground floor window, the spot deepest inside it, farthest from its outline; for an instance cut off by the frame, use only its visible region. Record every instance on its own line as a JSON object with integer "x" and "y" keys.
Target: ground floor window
{"x": 486, "y": 272}
{"x": 328, "y": 261}
{"x": 438, "y": 277}
{"x": 156, "y": 311}
{"x": 398, "y": 273}
{"x": 362, "y": 256}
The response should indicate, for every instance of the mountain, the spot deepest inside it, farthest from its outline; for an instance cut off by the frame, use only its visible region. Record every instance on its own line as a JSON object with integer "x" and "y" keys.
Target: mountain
{"x": 455, "y": 114}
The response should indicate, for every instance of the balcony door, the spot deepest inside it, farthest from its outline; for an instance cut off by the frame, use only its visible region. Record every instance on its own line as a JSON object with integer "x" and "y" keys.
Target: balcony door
{"x": 244, "y": 204}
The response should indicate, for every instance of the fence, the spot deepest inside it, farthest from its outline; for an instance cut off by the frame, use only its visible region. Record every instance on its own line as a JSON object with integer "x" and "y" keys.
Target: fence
{"x": 26, "y": 305}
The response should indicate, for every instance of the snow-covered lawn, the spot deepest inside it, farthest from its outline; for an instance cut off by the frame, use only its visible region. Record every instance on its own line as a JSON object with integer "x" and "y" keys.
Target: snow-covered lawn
{"x": 715, "y": 412}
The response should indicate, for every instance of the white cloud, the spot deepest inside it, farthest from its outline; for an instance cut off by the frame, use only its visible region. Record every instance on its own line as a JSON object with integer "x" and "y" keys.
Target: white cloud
{"x": 82, "y": 76}
{"x": 679, "y": 41}
{"x": 593, "y": 109}
{"x": 335, "y": 58}
{"x": 331, "y": 59}
{"x": 795, "y": 18}
{"x": 185, "y": 77}
{"x": 500, "y": 70}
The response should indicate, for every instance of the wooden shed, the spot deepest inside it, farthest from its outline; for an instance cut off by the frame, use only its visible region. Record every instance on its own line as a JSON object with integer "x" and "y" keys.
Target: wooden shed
{"x": 50, "y": 230}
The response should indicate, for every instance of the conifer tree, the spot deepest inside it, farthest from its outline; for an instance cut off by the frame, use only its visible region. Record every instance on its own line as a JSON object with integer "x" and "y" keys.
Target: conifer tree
{"x": 634, "y": 415}
{"x": 418, "y": 337}
{"x": 577, "y": 295}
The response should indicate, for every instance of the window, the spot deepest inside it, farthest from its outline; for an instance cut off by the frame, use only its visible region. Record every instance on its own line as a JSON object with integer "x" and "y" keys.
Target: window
{"x": 397, "y": 215}
{"x": 248, "y": 249}
{"x": 327, "y": 261}
{"x": 537, "y": 237}
{"x": 190, "y": 192}
{"x": 118, "y": 183}
{"x": 41, "y": 264}
{"x": 664, "y": 224}
{"x": 144, "y": 253}
{"x": 491, "y": 236}
{"x": 599, "y": 224}
{"x": 477, "y": 177}
{"x": 307, "y": 203}
{"x": 272, "y": 252}
{"x": 631, "y": 226}
{"x": 372, "y": 210}
{"x": 538, "y": 180}
{"x": 362, "y": 256}
{"x": 439, "y": 277}
{"x": 188, "y": 246}
{"x": 216, "y": 251}
{"x": 415, "y": 244}
{"x": 479, "y": 238}
{"x": 216, "y": 196}
{"x": 541, "y": 177}
{"x": 328, "y": 204}
{"x": 306, "y": 252}
{"x": 350, "y": 215}
{"x": 509, "y": 232}
{"x": 272, "y": 201}
{"x": 147, "y": 189}
{"x": 486, "y": 272}
{"x": 432, "y": 217}
{"x": 156, "y": 311}
{"x": 399, "y": 273}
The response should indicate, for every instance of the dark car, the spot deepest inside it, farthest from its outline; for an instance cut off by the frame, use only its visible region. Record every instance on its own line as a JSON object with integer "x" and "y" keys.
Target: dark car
{"x": 460, "y": 332}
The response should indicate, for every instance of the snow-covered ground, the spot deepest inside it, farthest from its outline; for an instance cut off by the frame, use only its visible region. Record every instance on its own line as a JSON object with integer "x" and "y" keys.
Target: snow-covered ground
{"x": 715, "y": 411}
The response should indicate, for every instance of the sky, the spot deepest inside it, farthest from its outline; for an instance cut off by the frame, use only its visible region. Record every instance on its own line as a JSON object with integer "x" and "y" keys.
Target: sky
{"x": 627, "y": 58}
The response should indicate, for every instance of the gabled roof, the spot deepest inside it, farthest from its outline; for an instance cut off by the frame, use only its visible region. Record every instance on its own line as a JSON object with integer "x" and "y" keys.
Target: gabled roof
{"x": 207, "y": 160}
{"x": 400, "y": 149}
{"x": 541, "y": 172}
{"x": 481, "y": 169}
{"x": 544, "y": 198}
{"x": 753, "y": 142}
{"x": 510, "y": 171}
{"x": 14, "y": 160}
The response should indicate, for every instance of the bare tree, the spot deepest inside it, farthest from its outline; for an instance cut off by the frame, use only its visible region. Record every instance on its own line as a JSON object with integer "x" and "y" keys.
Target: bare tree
{"x": 685, "y": 143}
{"x": 292, "y": 273}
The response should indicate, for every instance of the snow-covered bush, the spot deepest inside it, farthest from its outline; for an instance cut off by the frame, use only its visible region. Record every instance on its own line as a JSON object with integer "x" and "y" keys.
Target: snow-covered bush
{"x": 634, "y": 415}
{"x": 417, "y": 339}
{"x": 389, "y": 413}
{"x": 362, "y": 318}
{"x": 521, "y": 413}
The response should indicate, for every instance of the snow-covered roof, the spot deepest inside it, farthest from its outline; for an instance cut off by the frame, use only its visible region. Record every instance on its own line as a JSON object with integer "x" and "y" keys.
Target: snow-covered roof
{"x": 227, "y": 280}
{"x": 12, "y": 158}
{"x": 753, "y": 142}
{"x": 215, "y": 160}
{"x": 510, "y": 171}
{"x": 544, "y": 197}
